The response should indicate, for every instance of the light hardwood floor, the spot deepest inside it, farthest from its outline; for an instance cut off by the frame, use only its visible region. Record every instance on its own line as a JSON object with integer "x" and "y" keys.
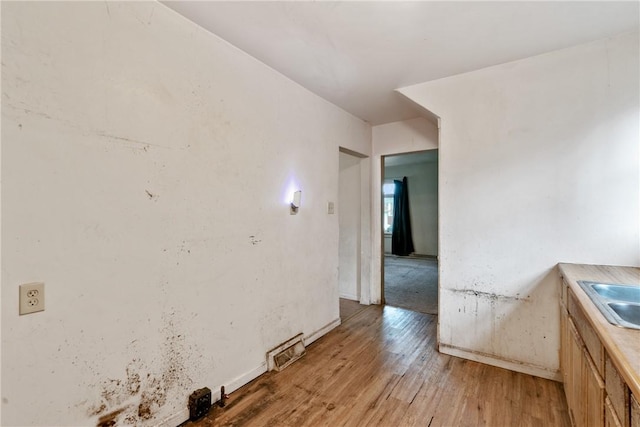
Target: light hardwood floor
{"x": 349, "y": 308}
{"x": 381, "y": 368}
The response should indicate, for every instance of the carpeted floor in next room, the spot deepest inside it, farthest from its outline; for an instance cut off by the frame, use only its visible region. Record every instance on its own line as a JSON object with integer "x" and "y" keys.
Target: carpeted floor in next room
{"x": 411, "y": 283}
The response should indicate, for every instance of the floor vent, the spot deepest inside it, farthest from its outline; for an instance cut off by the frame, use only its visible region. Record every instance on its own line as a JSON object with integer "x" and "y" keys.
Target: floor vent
{"x": 286, "y": 353}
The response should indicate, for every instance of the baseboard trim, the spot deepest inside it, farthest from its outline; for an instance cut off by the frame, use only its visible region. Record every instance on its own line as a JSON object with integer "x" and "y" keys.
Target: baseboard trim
{"x": 351, "y": 297}
{"x": 243, "y": 379}
{"x": 320, "y": 332}
{"x": 176, "y": 419}
{"x": 229, "y": 387}
{"x": 239, "y": 381}
{"x": 414, "y": 255}
{"x": 525, "y": 368}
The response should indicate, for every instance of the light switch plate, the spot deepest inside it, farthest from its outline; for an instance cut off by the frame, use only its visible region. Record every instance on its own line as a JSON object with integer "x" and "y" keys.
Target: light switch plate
{"x": 31, "y": 297}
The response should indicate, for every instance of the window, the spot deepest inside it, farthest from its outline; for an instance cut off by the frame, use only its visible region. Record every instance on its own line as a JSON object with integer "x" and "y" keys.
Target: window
{"x": 388, "y": 189}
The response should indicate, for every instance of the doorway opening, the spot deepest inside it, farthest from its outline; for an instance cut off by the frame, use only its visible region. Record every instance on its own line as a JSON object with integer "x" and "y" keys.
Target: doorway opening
{"x": 354, "y": 235}
{"x": 410, "y": 270}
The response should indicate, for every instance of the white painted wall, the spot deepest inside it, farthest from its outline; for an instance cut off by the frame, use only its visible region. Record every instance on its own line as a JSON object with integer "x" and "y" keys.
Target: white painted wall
{"x": 146, "y": 171}
{"x": 349, "y": 221}
{"x": 422, "y": 179}
{"x": 392, "y": 138}
{"x": 539, "y": 164}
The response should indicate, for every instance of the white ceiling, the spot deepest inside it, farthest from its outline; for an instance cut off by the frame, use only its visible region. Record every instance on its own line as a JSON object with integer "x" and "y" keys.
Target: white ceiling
{"x": 355, "y": 54}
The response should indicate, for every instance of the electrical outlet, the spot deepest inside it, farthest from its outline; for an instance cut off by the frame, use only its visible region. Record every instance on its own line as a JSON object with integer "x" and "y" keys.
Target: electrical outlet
{"x": 200, "y": 403}
{"x": 31, "y": 297}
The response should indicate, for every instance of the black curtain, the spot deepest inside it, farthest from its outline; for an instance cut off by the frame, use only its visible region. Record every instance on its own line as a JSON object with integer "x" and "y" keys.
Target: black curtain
{"x": 401, "y": 241}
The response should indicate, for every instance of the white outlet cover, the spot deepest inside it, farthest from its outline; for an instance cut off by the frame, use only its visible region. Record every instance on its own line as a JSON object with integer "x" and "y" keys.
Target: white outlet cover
{"x": 31, "y": 297}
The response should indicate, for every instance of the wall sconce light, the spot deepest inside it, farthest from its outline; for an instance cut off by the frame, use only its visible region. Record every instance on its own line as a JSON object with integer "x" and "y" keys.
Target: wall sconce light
{"x": 295, "y": 203}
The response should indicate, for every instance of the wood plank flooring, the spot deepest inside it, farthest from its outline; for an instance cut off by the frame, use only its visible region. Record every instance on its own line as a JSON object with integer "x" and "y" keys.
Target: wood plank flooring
{"x": 349, "y": 308}
{"x": 381, "y": 368}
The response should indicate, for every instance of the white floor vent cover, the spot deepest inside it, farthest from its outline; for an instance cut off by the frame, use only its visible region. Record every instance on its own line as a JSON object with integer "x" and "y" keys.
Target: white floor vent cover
{"x": 286, "y": 353}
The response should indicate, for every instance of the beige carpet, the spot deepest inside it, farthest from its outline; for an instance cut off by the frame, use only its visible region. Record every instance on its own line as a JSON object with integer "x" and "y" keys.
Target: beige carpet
{"x": 411, "y": 283}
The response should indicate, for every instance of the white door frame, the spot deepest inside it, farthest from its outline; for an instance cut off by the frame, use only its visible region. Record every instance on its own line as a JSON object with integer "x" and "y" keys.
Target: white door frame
{"x": 404, "y": 137}
{"x": 364, "y": 258}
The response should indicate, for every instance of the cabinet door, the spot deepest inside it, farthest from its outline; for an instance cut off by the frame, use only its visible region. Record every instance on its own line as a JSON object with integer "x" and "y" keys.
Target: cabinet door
{"x": 565, "y": 365}
{"x": 586, "y": 332}
{"x": 610, "y": 417}
{"x": 618, "y": 392}
{"x": 594, "y": 386}
{"x": 635, "y": 412}
{"x": 576, "y": 398}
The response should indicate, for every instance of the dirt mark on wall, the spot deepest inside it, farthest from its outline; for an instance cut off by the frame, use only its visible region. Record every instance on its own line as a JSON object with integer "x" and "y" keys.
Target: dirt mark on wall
{"x": 110, "y": 419}
{"x": 151, "y": 196}
{"x": 143, "y": 390}
{"x": 152, "y": 399}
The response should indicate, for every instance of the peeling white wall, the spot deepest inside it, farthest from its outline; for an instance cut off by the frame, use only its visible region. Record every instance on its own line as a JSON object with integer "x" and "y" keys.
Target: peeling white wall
{"x": 146, "y": 170}
{"x": 392, "y": 138}
{"x": 539, "y": 164}
{"x": 422, "y": 179}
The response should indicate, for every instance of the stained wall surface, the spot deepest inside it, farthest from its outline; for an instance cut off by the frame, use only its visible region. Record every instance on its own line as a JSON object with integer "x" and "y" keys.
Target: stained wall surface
{"x": 539, "y": 164}
{"x": 147, "y": 168}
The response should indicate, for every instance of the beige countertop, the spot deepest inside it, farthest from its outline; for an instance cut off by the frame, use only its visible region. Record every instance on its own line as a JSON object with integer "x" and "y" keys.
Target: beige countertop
{"x": 622, "y": 344}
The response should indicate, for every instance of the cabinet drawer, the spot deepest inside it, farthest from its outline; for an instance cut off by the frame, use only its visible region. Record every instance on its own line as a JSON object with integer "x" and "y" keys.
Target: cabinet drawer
{"x": 588, "y": 335}
{"x": 617, "y": 392}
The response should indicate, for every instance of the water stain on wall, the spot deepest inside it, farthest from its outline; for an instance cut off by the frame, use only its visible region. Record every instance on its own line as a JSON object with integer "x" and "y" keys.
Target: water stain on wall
{"x": 489, "y": 295}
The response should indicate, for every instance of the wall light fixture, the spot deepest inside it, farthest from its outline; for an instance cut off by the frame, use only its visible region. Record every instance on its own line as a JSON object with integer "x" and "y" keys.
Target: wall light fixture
{"x": 295, "y": 202}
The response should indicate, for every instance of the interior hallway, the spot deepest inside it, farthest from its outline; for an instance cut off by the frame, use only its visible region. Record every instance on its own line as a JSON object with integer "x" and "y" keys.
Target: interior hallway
{"x": 381, "y": 368}
{"x": 412, "y": 283}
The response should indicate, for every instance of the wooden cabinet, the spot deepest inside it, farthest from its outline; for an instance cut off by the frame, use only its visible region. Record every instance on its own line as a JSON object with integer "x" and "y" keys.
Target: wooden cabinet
{"x": 618, "y": 393}
{"x": 610, "y": 417}
{"x": 584, "y": 388}
{"x": 574, "y": 387}
{"x": 586, "y": 332}
{"x": 583, "y": 384}
{"x": 635, "y": 412}
{"x": 598, "y": 361}
{"x": 596, "y": 393}
{"x": 564, "y": 351}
